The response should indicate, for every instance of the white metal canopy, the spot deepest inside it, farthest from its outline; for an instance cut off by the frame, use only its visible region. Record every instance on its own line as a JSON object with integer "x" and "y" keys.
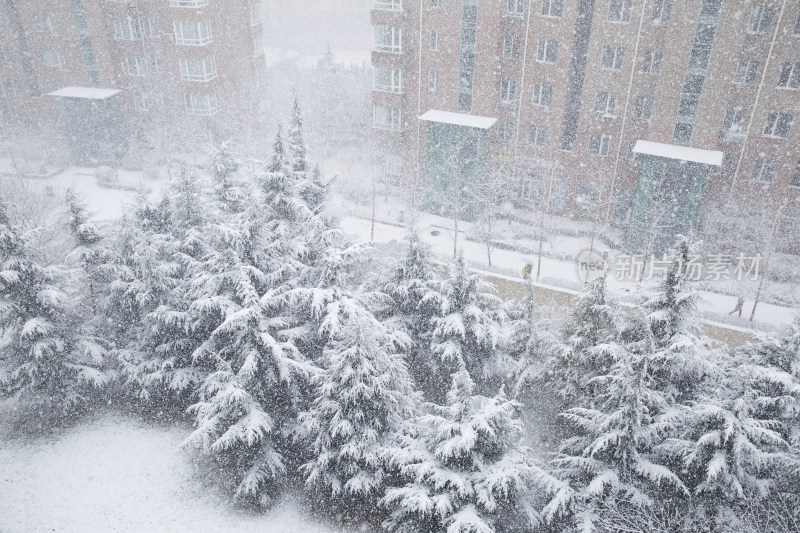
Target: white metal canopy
{"x": 458, "y": 119}
{"x": 682, "y": 153}
{"x": 90, "y": 93}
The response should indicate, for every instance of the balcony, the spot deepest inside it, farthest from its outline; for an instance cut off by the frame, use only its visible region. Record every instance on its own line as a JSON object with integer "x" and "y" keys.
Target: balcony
{"x": 188, "y": 3}
{"x": 387, "y": 5}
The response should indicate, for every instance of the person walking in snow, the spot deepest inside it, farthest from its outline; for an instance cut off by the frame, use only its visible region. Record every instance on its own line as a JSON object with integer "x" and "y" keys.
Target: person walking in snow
{"x": 739, "y": 306}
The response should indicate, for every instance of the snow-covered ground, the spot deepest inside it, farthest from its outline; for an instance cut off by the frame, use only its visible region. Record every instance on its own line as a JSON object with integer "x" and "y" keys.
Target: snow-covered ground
{"x": 119, "y": 474}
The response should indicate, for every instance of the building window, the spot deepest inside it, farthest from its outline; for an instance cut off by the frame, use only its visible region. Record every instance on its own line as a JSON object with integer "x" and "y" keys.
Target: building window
{"x": 386, "y": 117}
{"x": 392, "y": 168}
{"x": 661, "y": 12}
{"x": 391, "y": 5}
{"x": 643, "y": 107}
{"x": 590, "y": 192}
{"x": 651, "y": 63}
{"x": 126, "y": 30}
{"x": 542, "y": 94}
{"x": 46, "y": 24}
{"x": 145, "y": 101}
{"x": 612, "y": 57}
{"x": 598, "y": 145}
{"x": 682, "y": 133}
{"x": 778, "y": 124}
{"x": 746, "y": 70}
{"x": 631, "y": 155}
{"x": 547, "y": 51}
{"x": 765, "y": 170}
{"x": 387, "y": 79}
{"x": 433, "y": 41}
{"x": 134, "y": 66}
{"x": 510, "y": 47}
{"x": 508, "y": 91}
{"x": 760, "y": 19}
{"x": 734, "y": 121}
{"x": 605, "y": 103}
{"x": 201, "y": 104}
{"x": 516, "y": 7}
{"x": 797, "y": 25}
{"x": 796, "y": 176}
{"x": 505, "y": 130}
{"x": 433, "y": 80}
{"x": 620, "y": 10}
{"x": 188, "y": 3}
{"x": 388, "y": 39}
{"x": 5, "y": 54}
{"x": 201, "y": 69}
{"x": 790, "y": 75}
{"x": 552, "y": 8}
{"x": 435, "y": 3}
{"x": 193, "y": 33}
{"x": 55, "y": 59}
{"x": 698, "y": 59}
{"x": 531, "y": 189}
{"x": 537, "y": 135}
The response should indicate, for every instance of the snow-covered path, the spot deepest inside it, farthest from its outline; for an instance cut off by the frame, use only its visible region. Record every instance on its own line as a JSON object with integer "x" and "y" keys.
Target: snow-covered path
{"x": 714, "y": 306}
{"x": 119, "y": 474}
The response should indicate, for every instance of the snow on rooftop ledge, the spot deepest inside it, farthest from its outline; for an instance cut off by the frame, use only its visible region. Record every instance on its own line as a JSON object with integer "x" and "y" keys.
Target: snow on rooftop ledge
{"x": 459, "y": 119}
{"x": 91, "y": 93}
{"x": 683, "y": 153}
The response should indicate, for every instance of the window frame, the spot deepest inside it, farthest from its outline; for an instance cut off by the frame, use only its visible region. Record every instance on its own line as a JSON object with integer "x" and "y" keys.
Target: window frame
{"x": 395, "y": 41}
{"x": 201, "y": 40}
{"x": 395, "y": 75}
{"x": 543, "y": 51}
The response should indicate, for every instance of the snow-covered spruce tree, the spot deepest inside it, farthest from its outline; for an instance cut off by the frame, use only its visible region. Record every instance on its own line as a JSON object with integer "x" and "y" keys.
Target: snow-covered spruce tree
{"x": 230, "y": 190}
{"x": 528, "y": 342}
{"x": 362, "y": 397}
{"x": 734, "y": 450}
{"x": 312, "y": 186}
{"x": 466, "y": 470}
{"x": 154, "y": 284}
{"x": 297, "y": 146}
{"x": 588, "y": 349}
{"x": 408, "y": 286}
{"x": 614, "y": 456}
{"x": 684, "y": 357}
{"x": 248, "y": 407}
{"x": 47, "y": 359}
{"x": 467, "y": 324}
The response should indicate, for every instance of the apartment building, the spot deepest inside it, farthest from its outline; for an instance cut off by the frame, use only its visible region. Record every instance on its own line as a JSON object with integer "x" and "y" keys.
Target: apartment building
{"x": 174, "y": 71}
{"x": 555, "y": 94}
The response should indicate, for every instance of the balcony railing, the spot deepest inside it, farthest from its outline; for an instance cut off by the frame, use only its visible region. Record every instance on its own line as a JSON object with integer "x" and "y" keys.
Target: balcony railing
{"x": 389, "y": 5}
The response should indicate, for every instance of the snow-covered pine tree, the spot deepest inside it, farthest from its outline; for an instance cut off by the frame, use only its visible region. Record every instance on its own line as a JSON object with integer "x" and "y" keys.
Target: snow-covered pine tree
{"x": 589, "y": 348}
{"x": 47, "y": 359}
{"x": 297, "y": 146}
{"x": 153, "y": 283}
{"x": 734, "y": 448}
{"x": 684, "y": 357}
{"x": 362, "y": 397}
{"x": 408, "y": 286}
{"x": 528, "y": 342}
{"x": 248, "y": 406}
{"x": 230, "y": 190}
{"x": 467, "y": 326}
{"x": 614, "y": 456}
{"x": 467, "y": 471}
